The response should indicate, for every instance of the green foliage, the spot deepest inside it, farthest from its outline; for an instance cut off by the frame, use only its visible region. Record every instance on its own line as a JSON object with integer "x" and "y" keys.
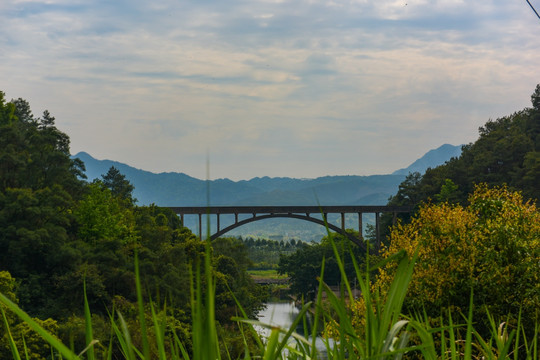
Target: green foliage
{"x": 7, "y": 111}
{"x": 7, "y": 288}
{"x": 38, "y": 182}
{"x": 449, "y": 192}
{"x": 304, "y": 266}
{"x": 34, "y": 153}
{"x": 231, "y": 263}
{"x": 102, "y": 216}
{"x": 407, "y": 190}
{"x": 34, "y": 228}
{"x": 233, "y": 249}
{"x": 71, "y": 248}
{"x": 26, "y": 338}
{"x": 383, "y": 334}
{"x": 491, "y": 247}
{"x": 119, "y": 185}
{"x": 60, "y": 235}
{"x": 506, "y": 152}
{"x": 8, "y": 285}
{"x": 265, "y": 253}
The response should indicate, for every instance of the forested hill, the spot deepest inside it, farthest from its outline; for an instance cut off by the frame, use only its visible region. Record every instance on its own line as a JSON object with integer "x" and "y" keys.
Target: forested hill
{"x": 507, "y": 152}
{"x": 65, "y": 242}
{"x": 178, "y": 189}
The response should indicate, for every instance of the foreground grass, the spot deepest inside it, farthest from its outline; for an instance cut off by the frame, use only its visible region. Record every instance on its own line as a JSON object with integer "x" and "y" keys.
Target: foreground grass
{"x": 385, "y": 334}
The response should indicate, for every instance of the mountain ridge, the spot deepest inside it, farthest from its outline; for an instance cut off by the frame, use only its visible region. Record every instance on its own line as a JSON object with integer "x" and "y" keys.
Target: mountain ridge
{"x": 180, "y": 189}
{"x": 431, "y": 159}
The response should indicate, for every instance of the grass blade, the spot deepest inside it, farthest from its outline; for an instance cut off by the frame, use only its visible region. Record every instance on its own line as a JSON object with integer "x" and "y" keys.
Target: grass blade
{"x": 123, "y": 337}
{"x": 88, "y": 327}
{"x": 159, "y": 327}
{"x": 12, "y": 345}
{"x": 142, "y": 321}
{"x": 52, "y": 340}
{"x": 468, "y": 337}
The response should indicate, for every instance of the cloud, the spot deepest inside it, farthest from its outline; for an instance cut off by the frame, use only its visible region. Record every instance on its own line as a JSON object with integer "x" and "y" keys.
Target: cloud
{"x": 281, "y": 88}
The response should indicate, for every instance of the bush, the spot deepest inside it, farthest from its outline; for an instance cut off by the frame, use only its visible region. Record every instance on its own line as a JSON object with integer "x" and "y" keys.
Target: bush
{"x": 490, "y": 247}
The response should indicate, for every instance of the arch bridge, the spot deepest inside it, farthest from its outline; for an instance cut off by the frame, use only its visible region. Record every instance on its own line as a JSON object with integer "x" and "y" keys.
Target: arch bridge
{"x": 306, "y": 213}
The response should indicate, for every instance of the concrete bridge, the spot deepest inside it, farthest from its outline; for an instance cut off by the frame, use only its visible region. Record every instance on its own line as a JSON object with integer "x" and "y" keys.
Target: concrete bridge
{"x": 306, "y": 213}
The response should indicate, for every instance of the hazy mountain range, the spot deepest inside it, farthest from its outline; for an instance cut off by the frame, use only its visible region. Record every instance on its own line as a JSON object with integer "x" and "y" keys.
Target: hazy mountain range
{"x": 179, "y": 189}
{"x": 431, "y": 159}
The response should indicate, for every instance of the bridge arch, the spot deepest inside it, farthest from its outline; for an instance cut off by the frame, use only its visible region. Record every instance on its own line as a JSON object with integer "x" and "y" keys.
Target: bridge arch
{"x": 306, "y": 217}
{"x": 296, "y": 212}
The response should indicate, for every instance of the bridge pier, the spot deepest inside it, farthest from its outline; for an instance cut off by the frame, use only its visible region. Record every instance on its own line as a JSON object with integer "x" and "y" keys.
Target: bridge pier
{"x": 377, "y": 231}
{"x": 297, "y": 212}
{"x": 200, "y": 226}
{"x": 360, "y": 229}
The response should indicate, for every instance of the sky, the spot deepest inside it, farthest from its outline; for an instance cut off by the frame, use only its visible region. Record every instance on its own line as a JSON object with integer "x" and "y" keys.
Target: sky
{"x": 299, "y": 88}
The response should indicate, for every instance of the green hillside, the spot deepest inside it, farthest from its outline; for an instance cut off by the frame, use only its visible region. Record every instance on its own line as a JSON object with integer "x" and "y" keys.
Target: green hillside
{"x": 507, "y": 152}
{"x": 60, "y": 236}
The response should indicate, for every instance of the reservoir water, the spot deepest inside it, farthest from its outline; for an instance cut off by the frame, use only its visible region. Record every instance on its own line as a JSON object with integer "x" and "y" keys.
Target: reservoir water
{"x": 283, "y": 314}
{"x": 280, "y": 314}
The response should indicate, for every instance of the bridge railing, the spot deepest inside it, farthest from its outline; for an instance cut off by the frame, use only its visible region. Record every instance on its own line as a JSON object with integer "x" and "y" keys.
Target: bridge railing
{"x": 299, "y": 212}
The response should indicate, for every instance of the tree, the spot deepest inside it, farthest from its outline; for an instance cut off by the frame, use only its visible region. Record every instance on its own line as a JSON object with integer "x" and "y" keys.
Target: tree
{"x": 233, "y": 248}
{"x": 58, "y": 232}
{"x": 34, "y": 234}
{"x": 33, "y": 152}
{"x": 490, "y": 247}
{"x": 407, "y": 191}
{"x": 38, "y": 185}
{"x": 119, "y": 185}
{"x": 8, "y": 287}
{"x": 231, "y": 263}
{"x": 304, "y": 266}
{"x": 505, "y": 154}
{"x": 535, "y": 98}
{"x": 108, "y": 232}
{"x": 7, "y": 111}
{"x": 23, "y": 111}
{"x": 101, "y": 216}
{"x": 26, "y": 338}
{"x": 449, "y": 192}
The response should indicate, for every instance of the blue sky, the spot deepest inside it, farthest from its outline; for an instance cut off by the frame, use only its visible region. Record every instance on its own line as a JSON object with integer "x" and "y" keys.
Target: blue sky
{"x": 269, "y": 88}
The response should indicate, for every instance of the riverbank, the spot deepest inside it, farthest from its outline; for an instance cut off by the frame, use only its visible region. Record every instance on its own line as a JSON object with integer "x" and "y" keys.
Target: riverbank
{"x": 269, "y": 275}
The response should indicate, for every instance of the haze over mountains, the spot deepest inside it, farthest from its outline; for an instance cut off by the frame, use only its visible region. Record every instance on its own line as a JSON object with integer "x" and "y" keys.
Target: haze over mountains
{"x": 179, "y": 189}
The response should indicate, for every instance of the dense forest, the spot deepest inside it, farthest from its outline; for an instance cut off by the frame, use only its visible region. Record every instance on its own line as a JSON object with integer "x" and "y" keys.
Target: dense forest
{"x": 265, "y": 253}
{"x": 59, "y": 233}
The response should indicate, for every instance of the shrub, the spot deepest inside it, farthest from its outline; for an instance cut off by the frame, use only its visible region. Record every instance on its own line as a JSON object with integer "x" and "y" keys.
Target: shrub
{"x": 490, "y": 247}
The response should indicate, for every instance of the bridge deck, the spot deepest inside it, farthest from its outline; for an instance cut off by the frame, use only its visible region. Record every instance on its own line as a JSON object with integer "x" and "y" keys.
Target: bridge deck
{"x": 347, "y": 209}
{"x": 298, "y": 212}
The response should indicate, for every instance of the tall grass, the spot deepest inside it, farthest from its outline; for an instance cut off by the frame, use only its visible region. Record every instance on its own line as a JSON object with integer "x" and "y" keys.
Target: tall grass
{"x": 385, "y": 334}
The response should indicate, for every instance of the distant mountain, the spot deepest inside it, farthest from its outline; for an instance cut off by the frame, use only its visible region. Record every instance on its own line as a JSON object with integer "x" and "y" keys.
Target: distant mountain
{"x": 179, "y": 189}
{"x": 431, "y": 159}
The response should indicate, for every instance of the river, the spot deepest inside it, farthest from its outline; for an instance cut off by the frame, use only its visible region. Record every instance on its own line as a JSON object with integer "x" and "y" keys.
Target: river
{"x": 283, "y": 314}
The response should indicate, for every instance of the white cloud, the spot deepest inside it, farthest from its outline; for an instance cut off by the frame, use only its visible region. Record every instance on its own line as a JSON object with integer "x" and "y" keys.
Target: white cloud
{"x": 271, "y": 85}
